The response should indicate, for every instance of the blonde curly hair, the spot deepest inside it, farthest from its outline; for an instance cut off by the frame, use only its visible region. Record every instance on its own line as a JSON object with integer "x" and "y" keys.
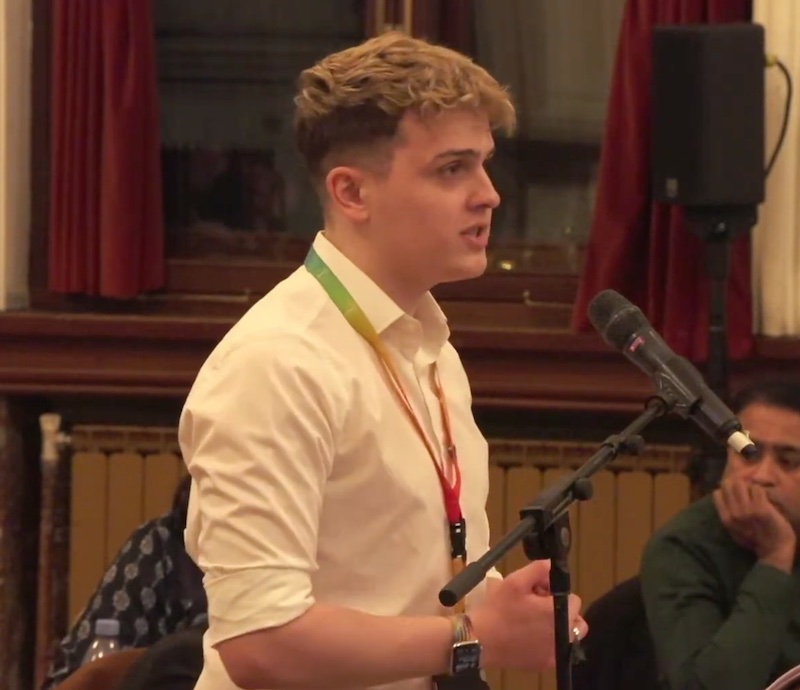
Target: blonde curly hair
{"x": 351, "y": 102}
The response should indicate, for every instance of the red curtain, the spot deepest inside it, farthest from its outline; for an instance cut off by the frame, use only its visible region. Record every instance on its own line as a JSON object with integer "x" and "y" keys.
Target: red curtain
{"x": 448, "y": 22}
{"x": 106, "y": 219}
{"x": 640, "y": 248}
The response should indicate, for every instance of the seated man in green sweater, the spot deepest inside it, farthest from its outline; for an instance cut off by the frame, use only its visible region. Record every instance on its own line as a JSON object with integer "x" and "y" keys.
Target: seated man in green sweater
{"x": 721, "y": 583}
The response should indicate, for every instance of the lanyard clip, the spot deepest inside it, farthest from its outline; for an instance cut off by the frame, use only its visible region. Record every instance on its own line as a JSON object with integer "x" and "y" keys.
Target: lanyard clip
{"x": 458, "y": 539}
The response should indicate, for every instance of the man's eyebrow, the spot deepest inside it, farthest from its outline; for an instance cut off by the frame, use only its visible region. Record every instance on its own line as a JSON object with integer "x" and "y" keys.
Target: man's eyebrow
{"x": 462, "y": 153}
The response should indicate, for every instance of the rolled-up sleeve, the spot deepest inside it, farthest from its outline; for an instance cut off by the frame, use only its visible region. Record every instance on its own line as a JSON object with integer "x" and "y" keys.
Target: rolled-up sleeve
{"x": 257, "y": 435}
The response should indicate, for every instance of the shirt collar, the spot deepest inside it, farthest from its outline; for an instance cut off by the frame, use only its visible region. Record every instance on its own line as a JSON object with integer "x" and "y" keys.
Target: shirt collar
{"x": 425, "y": 332}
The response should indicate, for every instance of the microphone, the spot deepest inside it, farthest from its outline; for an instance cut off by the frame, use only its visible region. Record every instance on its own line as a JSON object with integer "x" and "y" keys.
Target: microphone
{"x": 624, "y": 327}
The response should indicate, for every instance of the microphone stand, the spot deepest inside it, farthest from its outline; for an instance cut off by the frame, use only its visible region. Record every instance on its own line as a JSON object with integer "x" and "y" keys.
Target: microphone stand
{"x": 719, "y": 227}
{"x": 545, "y": 531}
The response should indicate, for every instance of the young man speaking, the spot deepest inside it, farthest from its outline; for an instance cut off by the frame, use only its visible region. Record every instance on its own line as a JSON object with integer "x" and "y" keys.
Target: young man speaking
{"x": 339, "y": 478}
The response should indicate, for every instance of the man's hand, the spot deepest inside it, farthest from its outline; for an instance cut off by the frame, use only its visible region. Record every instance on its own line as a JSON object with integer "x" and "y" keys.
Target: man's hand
{"x": 755, "y": 523}
{"x": 515, "y": 623}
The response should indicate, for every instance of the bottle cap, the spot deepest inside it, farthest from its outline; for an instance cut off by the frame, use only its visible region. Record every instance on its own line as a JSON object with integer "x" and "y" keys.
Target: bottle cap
{"x": 107, "y": 627}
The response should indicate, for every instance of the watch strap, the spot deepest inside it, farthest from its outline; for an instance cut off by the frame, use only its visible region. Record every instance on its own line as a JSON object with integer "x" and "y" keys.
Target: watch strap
{"x": 462, "y": 629}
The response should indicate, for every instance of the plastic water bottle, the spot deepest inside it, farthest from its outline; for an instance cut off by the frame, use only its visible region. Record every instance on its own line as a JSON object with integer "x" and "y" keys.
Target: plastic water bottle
{"x": 106, "y": 640}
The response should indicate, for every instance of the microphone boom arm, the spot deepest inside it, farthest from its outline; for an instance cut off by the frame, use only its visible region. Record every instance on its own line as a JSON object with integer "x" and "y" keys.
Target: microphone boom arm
{"x": 545, "y": 533}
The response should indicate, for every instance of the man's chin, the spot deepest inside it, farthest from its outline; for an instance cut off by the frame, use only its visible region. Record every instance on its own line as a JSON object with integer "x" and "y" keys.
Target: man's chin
{"x": 474, "y": 267}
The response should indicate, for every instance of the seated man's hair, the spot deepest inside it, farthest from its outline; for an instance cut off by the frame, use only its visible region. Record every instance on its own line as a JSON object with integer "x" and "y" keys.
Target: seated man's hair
{"x": 180, "y": 500}
{"x": 783, "y": 393}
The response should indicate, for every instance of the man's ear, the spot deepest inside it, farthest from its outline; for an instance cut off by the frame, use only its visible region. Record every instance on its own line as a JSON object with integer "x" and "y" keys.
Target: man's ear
{"x": 346, "y": 190}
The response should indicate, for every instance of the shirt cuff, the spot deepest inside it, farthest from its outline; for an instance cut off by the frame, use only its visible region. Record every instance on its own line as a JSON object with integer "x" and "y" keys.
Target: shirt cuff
{"x": 255, "y": 599}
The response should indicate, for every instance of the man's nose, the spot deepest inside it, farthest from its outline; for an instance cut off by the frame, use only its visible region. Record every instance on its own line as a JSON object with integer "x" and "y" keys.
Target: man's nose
{"x": 765, "y": 472}
{"x": 487, "y": 194}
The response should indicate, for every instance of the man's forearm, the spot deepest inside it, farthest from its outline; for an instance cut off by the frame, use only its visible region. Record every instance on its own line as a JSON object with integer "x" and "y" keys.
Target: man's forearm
{"x": 742, "y": 653}
{"x": 333, "y": 647}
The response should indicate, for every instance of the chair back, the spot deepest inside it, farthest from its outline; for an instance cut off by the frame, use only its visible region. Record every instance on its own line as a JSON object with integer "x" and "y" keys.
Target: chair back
{"x": 105, "y": 673}
{"x": 619, "y": 648}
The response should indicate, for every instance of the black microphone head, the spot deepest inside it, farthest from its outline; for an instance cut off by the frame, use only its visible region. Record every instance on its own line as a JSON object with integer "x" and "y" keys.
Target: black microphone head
{"x": 615, "y": 318}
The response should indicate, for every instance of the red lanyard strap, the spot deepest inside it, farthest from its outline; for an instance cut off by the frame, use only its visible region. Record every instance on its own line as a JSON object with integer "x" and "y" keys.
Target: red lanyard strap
{"x": 358, "y": 320}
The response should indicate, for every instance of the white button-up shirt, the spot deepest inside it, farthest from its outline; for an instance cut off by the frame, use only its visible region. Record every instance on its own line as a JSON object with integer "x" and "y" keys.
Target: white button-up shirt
{"x": 309, "y": 481}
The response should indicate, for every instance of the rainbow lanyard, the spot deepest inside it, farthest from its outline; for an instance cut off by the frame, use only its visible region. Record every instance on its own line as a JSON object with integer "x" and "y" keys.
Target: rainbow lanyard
{"x": 358, "y": 320}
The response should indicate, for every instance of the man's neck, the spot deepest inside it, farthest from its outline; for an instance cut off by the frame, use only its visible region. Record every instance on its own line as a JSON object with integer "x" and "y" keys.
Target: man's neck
{"x": 359, "y": 252}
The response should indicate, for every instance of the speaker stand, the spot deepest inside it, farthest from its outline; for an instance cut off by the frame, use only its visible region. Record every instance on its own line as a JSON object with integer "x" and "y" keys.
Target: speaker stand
{"x": 718, "y": 227}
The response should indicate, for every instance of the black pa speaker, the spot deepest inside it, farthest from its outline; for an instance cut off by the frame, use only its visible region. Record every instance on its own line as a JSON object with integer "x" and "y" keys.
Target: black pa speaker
{"x": 708, "y": 115}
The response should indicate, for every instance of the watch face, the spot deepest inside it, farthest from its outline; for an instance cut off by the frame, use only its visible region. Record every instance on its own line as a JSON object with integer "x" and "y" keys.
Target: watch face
{"x": 466, "y": 657}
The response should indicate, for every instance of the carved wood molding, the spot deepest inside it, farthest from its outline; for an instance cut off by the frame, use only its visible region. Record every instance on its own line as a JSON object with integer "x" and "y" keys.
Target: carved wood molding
{"x": 253, "y": 279}
{"x": 159, "y": 356}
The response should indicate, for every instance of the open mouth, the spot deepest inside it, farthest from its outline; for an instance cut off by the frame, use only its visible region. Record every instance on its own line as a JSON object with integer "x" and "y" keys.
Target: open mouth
{"x": 476, "y": 231}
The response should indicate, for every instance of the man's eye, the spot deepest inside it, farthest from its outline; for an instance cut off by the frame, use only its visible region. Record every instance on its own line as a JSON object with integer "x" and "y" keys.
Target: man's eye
{"x": 452, "y": 168}
{"x": 790, "y": 457}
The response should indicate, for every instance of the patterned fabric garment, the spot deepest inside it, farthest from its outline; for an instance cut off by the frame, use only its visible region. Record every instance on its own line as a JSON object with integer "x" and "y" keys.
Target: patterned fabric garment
{"x": 152, "y": 588}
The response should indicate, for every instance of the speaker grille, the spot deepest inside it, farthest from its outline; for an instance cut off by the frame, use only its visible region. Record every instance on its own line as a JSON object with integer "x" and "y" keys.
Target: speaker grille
{"x": 708, "y": 114}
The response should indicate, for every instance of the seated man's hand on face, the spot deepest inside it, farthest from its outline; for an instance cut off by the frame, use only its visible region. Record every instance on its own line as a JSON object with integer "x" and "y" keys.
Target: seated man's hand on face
{"x": 754, "y": 522}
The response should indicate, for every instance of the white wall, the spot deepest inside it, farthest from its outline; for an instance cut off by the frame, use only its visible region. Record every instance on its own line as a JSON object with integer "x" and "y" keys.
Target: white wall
{"x": 15, "y": 117}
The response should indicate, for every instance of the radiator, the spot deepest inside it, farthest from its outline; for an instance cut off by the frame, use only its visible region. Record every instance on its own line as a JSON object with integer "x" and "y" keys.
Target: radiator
{"x": 121, "y": 477}
{"x": 632, "y": 497}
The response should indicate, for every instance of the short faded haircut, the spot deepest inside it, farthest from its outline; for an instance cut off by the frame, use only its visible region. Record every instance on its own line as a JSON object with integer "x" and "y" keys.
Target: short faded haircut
{"x": 349, "y": 104}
